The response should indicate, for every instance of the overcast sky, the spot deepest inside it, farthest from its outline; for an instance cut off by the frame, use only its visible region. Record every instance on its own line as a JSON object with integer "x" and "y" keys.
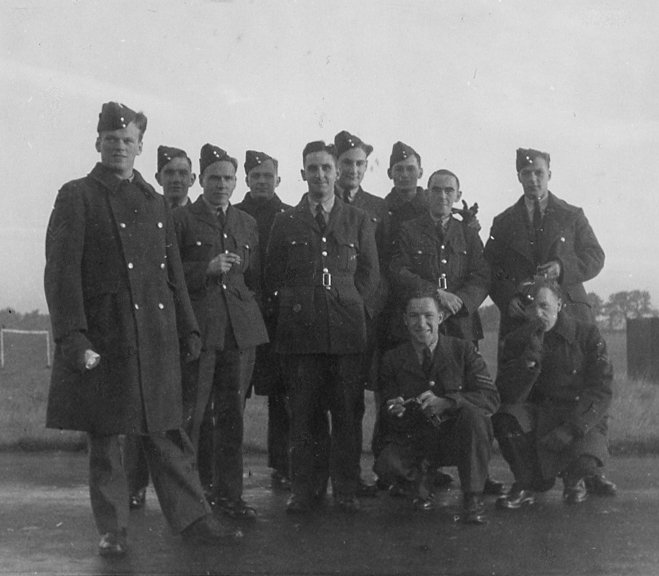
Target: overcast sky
{"x": 464, "y": 82}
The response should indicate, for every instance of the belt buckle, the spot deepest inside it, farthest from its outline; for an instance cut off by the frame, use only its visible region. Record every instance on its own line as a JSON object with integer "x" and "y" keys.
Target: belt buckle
{"x": 327, "y": 280}
{"x": 442, "y": 283}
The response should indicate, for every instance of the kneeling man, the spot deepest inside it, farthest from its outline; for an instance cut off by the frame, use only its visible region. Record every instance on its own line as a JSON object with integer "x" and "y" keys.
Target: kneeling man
{"x": 555, "y": 381}
{"x": 438, "y": 397}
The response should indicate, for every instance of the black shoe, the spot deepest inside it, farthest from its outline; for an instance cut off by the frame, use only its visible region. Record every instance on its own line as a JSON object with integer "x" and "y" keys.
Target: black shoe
{"x": 365, "y": 490}
{"x": 209, "y": 530}
{"x": 113, "y": 545}
{"x": 442, "y": 479}
{"x": 234, "y": 508}
{"x": 575, "y": 493}
{"x": 380, "y": 484}
{"x": 473, "y": 509}
{"x": 137, "y": 499}
{"x": 280, "y": 481}
{"x": 516, "y": 498}
{"x": 298, "y": 505}
{"x": 494, "y": 488}
{"x": 424, "y": 504}
{"x": 600, "y": 486}
{"x": 348, "y": 504}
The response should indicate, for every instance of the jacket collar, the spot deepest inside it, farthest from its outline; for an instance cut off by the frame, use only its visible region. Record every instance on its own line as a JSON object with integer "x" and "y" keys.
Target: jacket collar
{"x": 302, "y": 212}
{"x": 411, "y": 362}
{"x": 454, "y": 235}
{"x": 202, "y": 211}
{"x": 106, "y": 177}
{"x": 395, "y": 199}
{"x": 273, "y": 203}
{"x": 565, "y": 327}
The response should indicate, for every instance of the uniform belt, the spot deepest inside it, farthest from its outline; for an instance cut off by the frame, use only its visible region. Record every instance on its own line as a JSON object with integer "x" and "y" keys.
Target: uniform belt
{"x": 323, "y": 279}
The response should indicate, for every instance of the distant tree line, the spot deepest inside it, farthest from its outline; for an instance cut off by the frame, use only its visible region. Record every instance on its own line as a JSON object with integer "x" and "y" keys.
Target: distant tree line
{"x": 610, "y": 315}
{"x": 34, "y": 320}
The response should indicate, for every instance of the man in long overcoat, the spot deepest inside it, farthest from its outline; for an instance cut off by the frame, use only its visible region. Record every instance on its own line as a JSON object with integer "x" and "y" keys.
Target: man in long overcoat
{"x": 322, "y": 263}
{"x": 119, "y": 311}
{"x": 220, "y": 252}
{"x": 556, "y": 384}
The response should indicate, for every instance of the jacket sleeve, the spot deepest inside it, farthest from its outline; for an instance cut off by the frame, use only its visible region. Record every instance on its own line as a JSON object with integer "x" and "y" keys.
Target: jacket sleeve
{"x": 587, "y": 259}
{"x": 476, "y": 283}
{"x": 65, "y": 241}
{"x": 515, "y": 379}
{"x": 275, "y": 265}
{"x": 595, "y": 398}
{"x": 401, "y": 268}
{"x": 478, "y": 388}
{"x": 193, "y": 270}
{"x": 503, "y": 287}
{"x": 367, "y": 275}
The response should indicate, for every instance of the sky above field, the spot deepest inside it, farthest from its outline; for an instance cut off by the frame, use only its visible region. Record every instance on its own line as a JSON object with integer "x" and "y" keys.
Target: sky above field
{"x": 464, "y": 82}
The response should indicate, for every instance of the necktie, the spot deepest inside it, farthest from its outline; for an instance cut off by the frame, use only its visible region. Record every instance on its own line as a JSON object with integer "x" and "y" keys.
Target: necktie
{"x": 320, "y": 217}
{"x": 346, "y": 197}
{"x": 537, "y": 231}
{"x": 427, "y": 362}
{"x": 221, "y": 217}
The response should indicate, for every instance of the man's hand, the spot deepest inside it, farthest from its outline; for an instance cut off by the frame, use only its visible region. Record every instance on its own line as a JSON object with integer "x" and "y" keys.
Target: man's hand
{"x": 450, "y": 301}
{"x": 558, "y": 439}
{"x": 550, "y": 270}
{"x": 222, "y": 263}
{"x": 395, "y": 407}
{"x": 191, "y": 347}
{"x": 515, "y": 308}
{"x": 434, "y": 405}
{"x": 468, "y": 215}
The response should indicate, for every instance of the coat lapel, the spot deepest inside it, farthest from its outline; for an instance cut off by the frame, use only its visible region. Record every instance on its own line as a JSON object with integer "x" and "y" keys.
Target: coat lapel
{"x": 203, "y": 213}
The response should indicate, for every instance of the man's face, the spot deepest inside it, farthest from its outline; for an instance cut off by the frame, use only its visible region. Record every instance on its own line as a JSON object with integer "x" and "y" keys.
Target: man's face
{"x": 442, "y": 194}
{"x": 119, "y": 148}
{"x": 405, "y": 174}
{"x": 422, "y": 318}
{"x": 176, "y": 177}
{"x": 320, "y": 174}
{"x": 534, "y": 178}
{"x": 262, "y": 180}
{"x": 544, "y": 307}
{"x": 218, "y": 183}
{"x": 352, "y": 168}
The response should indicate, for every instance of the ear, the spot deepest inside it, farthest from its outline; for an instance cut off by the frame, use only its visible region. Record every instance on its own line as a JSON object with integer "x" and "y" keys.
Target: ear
{"x": 304, "y": 178}
{"x": 389, "y": 174}
{"x": 98, "y": 143}
{"x": 548, "y": 174}
{"x": 458, "y": 196}
{"x": 193, "y": 178}
{"x": 277, "y": 181}
{"x": 246, "y": 182}
{"x": 519, "y": 177}
{"x": 420, "y": 172}
{"x": 560, "y": 304}
{"x": 158, "y": 178}
{"x": 140, "y": 144}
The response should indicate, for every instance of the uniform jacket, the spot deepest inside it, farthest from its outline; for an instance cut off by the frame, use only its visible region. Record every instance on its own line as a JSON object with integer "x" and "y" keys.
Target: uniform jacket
{"x": 114, "y": 284}
{"x": 400, "y": 210}
{"x": 376, "y": 208}
{"x": 458, "y": 372}
{"x": 572, "y": 385}
{"x": 421, "y": 257}
{"x": 324, "y": 280}
{"x": 266, "y": 376}
{"x": 218, "y": 300}
{"x": 567, "y": 238}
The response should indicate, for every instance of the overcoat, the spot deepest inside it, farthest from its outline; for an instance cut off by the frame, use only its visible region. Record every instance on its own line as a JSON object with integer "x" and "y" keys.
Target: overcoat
{"x": 421, "y": 257}
{"x": 572, "y": 385}
{"x": 458, "y": 372}
{"x": 266, "y": 378}
{"x": 567, "y": 237}
{"x": 114, "y": 284}
{"x": 324, "y": 280}
{"x": 229, "y": 299}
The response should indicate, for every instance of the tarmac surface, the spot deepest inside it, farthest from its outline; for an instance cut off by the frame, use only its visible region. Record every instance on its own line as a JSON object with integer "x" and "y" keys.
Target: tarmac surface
{"x": 46, "y": 527}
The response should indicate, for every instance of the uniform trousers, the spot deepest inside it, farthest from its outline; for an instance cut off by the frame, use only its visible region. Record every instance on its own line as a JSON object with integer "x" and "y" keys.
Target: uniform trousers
{"x": 171, "y": 461}
{"x": 465, "y": 440}
{"x": 317, "y": 383}
{"x": 278, "y": 429}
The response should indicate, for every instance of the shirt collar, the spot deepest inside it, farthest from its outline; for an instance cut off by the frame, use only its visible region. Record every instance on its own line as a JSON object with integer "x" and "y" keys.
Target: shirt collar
{"x": 327, "y": 204}
{"x": 212, "y": 208}
{"x": 530, "y": 205}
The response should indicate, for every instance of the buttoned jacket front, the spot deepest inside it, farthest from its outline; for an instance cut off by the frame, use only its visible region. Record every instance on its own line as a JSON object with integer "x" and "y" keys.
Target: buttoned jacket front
{"x": 422, "y": 259}
{"x": 401, "y": 210}
{"x": 567, "y": 238}
{"x": 228, "y": 298}
{"x": 323, "y": 279}
{"x": 114, "y": 283}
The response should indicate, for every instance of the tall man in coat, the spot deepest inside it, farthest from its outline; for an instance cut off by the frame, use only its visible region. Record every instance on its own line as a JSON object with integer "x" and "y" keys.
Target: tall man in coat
{"x": 119, "y": 311}
{"x": 540, "y": 234}
{"x": 438, "y": 397}
{"x": 219, "y": 248}
{"x": 322, "y": 263}
{"x": 263, "y": 204}
{"x": 555, "y": 381}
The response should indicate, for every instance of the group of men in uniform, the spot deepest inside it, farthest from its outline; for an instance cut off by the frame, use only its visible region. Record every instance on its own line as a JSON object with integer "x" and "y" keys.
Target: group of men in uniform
{"x": 166, "y": 313}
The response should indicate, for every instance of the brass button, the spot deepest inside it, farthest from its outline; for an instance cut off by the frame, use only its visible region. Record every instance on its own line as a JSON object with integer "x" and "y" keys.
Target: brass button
{"x": 130, "y": 265}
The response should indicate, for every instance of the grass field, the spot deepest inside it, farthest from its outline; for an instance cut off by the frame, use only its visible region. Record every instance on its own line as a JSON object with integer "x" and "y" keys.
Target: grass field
{"x": 24, "y": 388}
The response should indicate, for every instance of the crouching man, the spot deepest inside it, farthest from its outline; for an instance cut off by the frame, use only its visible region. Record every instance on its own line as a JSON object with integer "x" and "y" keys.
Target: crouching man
{"x": 438, "y": 397}
{"x": 555, "y": 381}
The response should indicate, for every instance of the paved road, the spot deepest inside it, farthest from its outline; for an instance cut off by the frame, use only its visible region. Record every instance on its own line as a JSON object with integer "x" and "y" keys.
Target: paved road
{"x": 46, "y": 527}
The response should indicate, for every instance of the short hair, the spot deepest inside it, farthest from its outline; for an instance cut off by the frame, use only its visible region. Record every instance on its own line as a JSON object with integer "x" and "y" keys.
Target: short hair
{"x": 529, "y": 289}
{"x": 444, "y": 172}
{"x": 319, "y": 146}
{"x": 419, "y": 293}
{"x": 140, "y": 121}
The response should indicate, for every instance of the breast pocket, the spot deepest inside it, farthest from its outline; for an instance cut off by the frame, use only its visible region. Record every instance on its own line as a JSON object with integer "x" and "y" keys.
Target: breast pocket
{"x": 347, "y": 250}
{"x": 198, "y": 248}
{"x": 424, "y": 259}
{"x": 299, "y": 254}
{"x": 456, "y": 261}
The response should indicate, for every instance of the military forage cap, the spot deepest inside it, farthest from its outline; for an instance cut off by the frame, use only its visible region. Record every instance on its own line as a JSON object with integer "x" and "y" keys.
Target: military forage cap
{"x": 526, "y": 156}
{"x": 166, "y": 154}
{"x": 401, "y": 152}
{"x": 114, "y": 116}
{"x": 254, "y": 159}
{"x": 211, "y": 154}
{"x": 345, "y": 141}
